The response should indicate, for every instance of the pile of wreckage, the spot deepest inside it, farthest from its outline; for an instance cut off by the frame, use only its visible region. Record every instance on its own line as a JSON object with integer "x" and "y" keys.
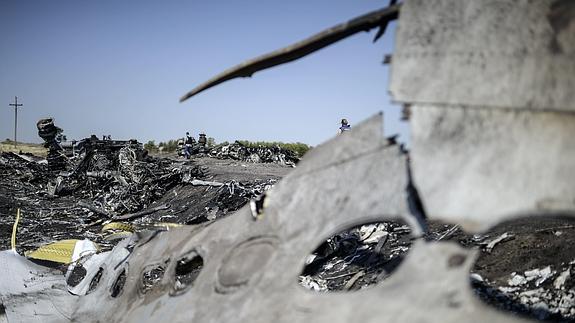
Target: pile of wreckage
{"x": 544, "y": 293}
{"x": 102, "y": 182}
{"x": 117, "y": 176}
{"x": 537, "y": 280}
{"x": 240, "y": 151}
{"x": 367, "y": 254}
{"x": 260, "y": 154}
{"x": 356, "y": 258}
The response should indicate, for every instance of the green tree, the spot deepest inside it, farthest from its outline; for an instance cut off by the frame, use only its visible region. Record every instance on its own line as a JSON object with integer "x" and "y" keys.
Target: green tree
{"x": 151, "y": 146}
{"x": 171, "y": 145}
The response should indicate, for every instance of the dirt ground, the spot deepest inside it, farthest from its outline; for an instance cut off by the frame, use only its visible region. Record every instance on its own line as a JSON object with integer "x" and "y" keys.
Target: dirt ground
{"x": 536, "y": 243}
{"x": 36, "y": 149}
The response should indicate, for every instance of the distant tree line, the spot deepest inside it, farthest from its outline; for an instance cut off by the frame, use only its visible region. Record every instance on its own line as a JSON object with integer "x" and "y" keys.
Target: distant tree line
{"x": 168, "y": 146}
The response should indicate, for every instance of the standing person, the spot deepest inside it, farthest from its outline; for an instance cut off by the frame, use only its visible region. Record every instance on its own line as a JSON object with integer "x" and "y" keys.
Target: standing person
{"x": 344, "y": 126}
{"x": 188, "y": 142}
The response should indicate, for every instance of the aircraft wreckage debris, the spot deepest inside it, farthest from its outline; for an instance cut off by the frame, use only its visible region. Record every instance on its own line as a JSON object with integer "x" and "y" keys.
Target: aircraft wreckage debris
{"x": 113, "y": 184}
{"x": 440, "y": 224}
{"x": 353, "y": 259}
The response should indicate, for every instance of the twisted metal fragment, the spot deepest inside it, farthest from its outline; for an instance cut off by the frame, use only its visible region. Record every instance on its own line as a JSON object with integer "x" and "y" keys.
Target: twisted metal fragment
{"x": 379, "y": 18}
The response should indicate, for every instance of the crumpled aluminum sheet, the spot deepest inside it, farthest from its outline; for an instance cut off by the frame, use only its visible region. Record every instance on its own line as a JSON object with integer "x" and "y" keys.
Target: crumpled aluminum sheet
{"x": 33, "y": 293}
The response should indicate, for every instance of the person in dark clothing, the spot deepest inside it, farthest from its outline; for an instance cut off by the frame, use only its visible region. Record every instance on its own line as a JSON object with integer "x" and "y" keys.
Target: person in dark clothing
{"x": 188, "y": 143}
{"x": 344, "y": 126}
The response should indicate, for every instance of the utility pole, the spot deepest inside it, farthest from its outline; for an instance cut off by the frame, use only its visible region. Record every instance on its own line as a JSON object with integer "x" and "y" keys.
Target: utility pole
{"x": 15, "y": 105}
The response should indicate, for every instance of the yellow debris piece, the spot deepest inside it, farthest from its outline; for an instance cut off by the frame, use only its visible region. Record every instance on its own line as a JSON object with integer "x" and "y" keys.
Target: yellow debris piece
{"x": 14, "y": 228}
{"x": 59, "y": 251}
{"x": 121, "y": 226}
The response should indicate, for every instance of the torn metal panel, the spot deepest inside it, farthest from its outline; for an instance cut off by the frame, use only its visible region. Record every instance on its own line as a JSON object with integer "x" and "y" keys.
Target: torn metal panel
{"x": 33, "y": 293}
{"x": 478, "y": 167}
{"x": 252, "y": 266}
{"x": 262, "y": 258}
{"x": 505, "y": 53}
{"x": 367, "y": 137}
{"x": 433, "y": 279}
{"x": 92, "y": 266}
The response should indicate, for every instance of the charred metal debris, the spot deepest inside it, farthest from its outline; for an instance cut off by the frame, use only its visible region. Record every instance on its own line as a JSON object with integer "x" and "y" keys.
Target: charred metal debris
{"x": 239, "y": 151}
{"x": 481, "y": 208}
{"x": 358, "y": 258}
{"x": 544, "y": 293}
{"x": 72, "y": 193}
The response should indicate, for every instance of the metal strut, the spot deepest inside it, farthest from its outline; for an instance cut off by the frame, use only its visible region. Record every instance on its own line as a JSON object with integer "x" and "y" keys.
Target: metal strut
{"x": 379, "y": 18}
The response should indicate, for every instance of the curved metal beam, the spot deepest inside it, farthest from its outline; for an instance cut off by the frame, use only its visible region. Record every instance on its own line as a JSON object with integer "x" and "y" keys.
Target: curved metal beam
{"x": 378, "y": 18}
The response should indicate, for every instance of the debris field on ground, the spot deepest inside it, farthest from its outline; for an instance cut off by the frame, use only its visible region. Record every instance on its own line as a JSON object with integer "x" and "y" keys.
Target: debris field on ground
{"x": 164, "y": 191}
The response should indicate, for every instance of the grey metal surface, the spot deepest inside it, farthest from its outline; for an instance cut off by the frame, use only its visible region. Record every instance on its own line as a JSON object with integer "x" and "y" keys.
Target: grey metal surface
{"x": 490, "y": 84}
{"x": 480, "y": 167}
{"x": 33, "y": 293}
{"x": 498, "y": 53}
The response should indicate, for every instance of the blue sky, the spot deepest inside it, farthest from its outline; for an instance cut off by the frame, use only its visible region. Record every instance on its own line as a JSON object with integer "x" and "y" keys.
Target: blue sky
{"x": 119, "y": 68}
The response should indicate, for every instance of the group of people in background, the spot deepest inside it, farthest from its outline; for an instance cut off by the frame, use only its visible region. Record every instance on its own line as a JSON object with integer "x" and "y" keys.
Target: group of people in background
{"x": 190, "y": 146}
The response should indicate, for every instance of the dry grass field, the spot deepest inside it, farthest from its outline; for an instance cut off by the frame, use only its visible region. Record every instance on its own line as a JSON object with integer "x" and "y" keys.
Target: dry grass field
{"x": 35, "y": 149}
